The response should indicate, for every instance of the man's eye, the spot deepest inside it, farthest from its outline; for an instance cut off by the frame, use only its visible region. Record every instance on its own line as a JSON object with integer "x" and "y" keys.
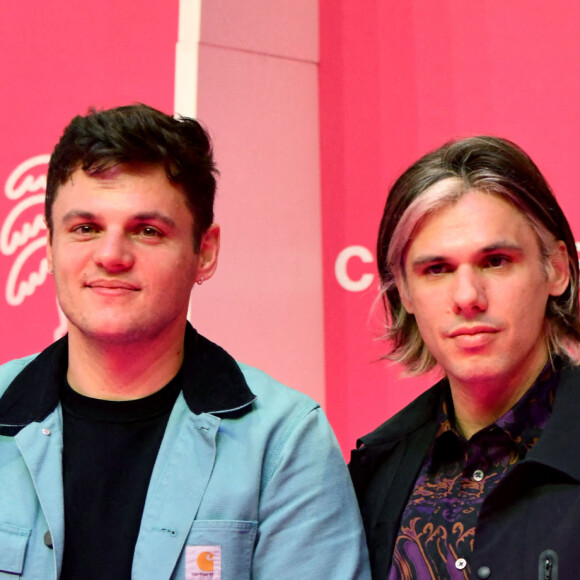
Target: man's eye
{"x": 84, "y": 229}
{"x": 497, "y": 261}
{"x": 436, "y": 269}
{"x": 150, "y": 232}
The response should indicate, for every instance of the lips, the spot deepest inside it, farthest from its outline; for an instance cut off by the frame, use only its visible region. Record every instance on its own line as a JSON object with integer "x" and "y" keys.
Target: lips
{"x": 472, "y": 330}
{"x": 112, "y": 286}
{"x": 473, "y": 338}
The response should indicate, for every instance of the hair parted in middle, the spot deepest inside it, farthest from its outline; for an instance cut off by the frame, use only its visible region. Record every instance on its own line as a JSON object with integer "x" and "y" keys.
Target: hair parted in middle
{"x": 486, "y": 164}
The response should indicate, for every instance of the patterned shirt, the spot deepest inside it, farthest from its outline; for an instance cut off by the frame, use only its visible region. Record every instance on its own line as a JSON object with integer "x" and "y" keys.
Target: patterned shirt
{"x": 438, "y": 525}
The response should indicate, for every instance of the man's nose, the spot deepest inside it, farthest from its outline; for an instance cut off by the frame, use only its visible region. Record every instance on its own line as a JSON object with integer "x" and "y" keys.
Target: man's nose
{"x": 114, "y": 252}
{"x": 469, "y": 294}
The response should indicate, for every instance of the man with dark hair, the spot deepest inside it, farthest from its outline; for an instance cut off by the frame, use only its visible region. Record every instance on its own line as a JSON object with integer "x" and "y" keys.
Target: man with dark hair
{"x": 134, "y": 447}
{"x": 479, "y": 476}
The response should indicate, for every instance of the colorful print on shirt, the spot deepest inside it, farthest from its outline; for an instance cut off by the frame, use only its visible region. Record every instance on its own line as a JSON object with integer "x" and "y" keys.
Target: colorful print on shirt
{"x": 438, "y": 525}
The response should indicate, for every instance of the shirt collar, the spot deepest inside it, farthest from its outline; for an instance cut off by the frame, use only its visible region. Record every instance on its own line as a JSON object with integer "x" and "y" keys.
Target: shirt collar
{"x": 212, "y": 383}
{"x": 523, "y": 423}
{"x": 558, "y": 445}
{"x": 212, "y": 379}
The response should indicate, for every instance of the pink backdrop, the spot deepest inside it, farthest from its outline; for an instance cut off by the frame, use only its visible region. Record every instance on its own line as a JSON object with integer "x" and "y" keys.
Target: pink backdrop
{"x": 395, "y": 79}
{"x": 398, "y": 79}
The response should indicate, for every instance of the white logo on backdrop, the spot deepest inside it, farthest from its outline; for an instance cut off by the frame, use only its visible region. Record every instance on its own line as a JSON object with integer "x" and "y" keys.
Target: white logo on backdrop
{"x": 23, "y": 239}
{"x": 341, "y": 270}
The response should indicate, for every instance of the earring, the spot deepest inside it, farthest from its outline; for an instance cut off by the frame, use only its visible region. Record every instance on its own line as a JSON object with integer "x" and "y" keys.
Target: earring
{"x": 200, "y": 281}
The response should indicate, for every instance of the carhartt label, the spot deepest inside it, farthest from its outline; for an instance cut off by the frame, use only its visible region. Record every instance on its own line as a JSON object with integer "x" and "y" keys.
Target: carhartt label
{"x": 203, "y": 562}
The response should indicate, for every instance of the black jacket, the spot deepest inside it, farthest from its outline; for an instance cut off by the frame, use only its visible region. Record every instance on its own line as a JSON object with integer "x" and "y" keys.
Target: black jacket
{"x": 528, "y": 527}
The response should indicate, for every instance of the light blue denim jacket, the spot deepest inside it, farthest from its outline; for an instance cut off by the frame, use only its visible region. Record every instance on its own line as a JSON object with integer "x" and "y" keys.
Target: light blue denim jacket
{"x": 253, "y": 478}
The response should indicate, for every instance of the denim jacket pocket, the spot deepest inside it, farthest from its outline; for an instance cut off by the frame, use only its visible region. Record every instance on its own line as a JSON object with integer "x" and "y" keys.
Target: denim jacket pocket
{"x": 13, "y": 544}
{"x": 219, "y": 550}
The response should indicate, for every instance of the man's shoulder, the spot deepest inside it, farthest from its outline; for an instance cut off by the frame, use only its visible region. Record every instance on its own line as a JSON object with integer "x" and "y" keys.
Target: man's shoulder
{"x": 11, "y": 369}
{"x": 419, "y": 412}
{"x": 272, "y": 393}
{"x": 570, "y": 373}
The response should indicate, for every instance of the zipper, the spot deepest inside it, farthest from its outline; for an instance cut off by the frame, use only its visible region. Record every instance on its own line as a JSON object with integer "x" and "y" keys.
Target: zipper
{"x": 548, "y": 565}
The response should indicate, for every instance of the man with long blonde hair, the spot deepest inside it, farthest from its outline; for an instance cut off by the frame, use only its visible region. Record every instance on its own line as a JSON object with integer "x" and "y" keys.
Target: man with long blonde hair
{"x": 479, "y": 476}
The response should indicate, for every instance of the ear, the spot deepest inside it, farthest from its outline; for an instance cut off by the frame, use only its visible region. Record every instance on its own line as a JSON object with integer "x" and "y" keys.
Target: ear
{"x": 208, "y": 253}
{"x": 559, "y": 273}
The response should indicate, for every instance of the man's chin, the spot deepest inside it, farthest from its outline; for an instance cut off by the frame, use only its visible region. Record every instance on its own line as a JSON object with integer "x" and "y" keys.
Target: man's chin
{"x": 115, "y": 334}
{"x": 475, "y": 371}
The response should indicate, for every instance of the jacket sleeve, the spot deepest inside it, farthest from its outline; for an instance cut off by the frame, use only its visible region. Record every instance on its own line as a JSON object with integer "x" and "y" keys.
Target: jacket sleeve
{"x": 309, "y": 522}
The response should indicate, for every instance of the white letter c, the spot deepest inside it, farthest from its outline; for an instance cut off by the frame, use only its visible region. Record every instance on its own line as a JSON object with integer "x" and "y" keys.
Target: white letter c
{"x": 341, "y": 273}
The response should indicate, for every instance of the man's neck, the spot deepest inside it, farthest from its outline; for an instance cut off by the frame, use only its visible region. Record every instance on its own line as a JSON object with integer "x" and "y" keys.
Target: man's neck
{"x": 478, "y": 405}
{"x": 122, "y": 371}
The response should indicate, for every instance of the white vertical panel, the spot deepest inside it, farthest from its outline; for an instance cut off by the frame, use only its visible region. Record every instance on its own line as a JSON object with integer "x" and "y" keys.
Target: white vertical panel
{"x": 187, "y": 57}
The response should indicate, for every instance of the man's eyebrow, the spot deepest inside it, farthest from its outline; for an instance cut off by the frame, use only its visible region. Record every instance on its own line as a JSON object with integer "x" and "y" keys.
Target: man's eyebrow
{"x": 74, "y": 214}
{"x": 427, "y": 259}
{"x": 148, "y": 216}
{"x": 500, "y": 245}
{"x": 154, "y": 216}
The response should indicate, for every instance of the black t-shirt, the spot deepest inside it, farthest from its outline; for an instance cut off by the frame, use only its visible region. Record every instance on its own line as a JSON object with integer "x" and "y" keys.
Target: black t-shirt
{"x": 109, "y": 452}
